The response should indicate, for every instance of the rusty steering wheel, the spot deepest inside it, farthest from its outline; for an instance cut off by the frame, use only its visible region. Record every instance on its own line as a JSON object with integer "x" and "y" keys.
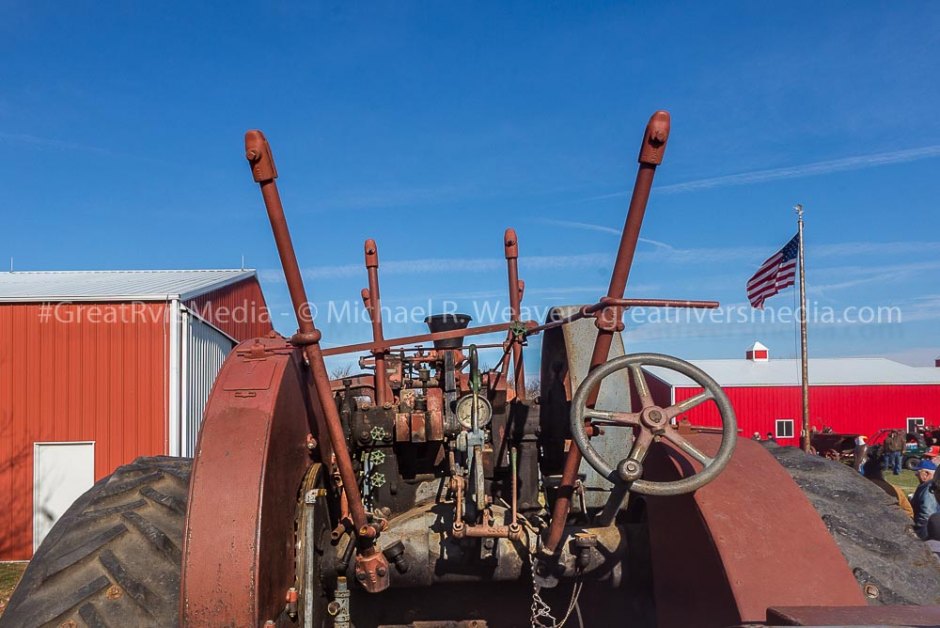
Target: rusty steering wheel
{"x": 653, "y": 424}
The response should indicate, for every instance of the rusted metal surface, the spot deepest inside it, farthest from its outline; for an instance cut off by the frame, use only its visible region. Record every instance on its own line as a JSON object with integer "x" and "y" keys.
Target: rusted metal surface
{"x": 329, "y": 428}
{"x": 410, "y": 340}
{"x": 374, "y": 307}
{"x": 516, "y": 288}
{"x": 238, "y": 544}
{"x": 609, "y": 321}
{"x": 854, "y": 616}
{"x": 745, "y": 542}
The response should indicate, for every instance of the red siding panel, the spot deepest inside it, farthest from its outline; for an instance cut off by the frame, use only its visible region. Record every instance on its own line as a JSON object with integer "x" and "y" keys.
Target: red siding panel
{"x": 92, "y": 372}
{"x": 238, "y": 309}
{"x": 847, "y": 409}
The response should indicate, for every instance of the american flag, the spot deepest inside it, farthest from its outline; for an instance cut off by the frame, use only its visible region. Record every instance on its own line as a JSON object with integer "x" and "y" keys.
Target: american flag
{"x": 774, "y": 275}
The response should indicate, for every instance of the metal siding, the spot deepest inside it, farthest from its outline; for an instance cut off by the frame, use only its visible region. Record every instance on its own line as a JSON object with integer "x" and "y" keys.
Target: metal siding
{"x": 114, "y": 286}
{"x": 204, "y": 350}
{"x": 847, "y": 409}
{"x": 76, "y": 381}
{"x": 247, "y": 316}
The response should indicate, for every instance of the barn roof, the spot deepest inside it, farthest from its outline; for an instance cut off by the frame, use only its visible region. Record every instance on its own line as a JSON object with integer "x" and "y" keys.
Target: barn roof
{"x": 822, "y": 372}
{"x": 114, "y": 285}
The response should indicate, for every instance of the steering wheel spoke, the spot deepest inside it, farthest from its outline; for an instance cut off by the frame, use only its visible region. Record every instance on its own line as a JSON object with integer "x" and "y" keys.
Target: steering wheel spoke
{"x": 642, "y": 387}
{"x": 673, "y": 436}
{"x": 641, "y": 446}
{"x": 613, "y": 418}
{"x": 684, "y": 406}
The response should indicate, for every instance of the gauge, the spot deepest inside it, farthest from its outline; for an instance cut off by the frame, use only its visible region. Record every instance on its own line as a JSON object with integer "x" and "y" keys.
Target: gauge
{"x": 465, "y": 407}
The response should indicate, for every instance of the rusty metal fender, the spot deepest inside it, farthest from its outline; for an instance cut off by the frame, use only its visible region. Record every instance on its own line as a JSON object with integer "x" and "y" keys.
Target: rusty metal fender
{"x": 238, "y": 547}
{"x": 747, "y": 541}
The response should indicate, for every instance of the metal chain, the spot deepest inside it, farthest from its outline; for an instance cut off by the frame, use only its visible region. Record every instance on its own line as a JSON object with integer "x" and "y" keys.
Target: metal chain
{"x": 540, "y": 608}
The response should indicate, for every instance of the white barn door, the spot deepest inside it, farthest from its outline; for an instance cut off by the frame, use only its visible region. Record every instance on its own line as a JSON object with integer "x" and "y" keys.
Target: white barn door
{"x": 62, "y": 472}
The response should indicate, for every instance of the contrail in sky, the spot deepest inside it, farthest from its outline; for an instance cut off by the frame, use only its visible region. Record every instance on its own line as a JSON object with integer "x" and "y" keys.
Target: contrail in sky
{"x": 793, "y": 172}
{"x": 600, "y": 228}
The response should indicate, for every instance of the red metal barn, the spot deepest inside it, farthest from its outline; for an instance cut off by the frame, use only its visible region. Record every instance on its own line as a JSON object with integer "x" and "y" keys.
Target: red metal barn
{"x": 100, "y": 367}
{"x": 850, "y": 395}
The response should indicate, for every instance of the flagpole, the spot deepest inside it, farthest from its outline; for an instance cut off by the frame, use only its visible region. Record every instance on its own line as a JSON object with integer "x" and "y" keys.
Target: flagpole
{"x": 804, "y": 355}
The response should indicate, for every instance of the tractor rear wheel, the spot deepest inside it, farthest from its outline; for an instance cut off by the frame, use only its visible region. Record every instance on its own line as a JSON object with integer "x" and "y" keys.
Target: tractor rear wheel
{"x": 891, "y": 565}
{"x": 113, "y": 559}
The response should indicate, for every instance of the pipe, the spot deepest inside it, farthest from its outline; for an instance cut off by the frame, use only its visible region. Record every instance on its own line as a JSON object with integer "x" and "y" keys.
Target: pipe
{"x": 407, "y": 340}
{"x": 516, "y": 287}
{"x": 651, "y": 155}
{"x": 375, "y": 314}
{"x": 258, "y": 153}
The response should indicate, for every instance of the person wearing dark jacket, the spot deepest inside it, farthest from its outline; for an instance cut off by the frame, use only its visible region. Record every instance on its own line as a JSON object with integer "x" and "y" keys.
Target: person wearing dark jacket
{"x": 893, "y": 446}
{"x": 933, "y": 534}
{"x": 924, "y": 500}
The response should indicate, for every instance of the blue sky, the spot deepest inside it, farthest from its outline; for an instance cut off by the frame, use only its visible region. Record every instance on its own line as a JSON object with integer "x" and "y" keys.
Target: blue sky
{"x": 433, "y": 126}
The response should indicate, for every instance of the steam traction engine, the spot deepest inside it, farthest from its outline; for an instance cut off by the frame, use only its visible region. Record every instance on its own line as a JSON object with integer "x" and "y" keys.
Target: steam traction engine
{"x": 431, "y": 491}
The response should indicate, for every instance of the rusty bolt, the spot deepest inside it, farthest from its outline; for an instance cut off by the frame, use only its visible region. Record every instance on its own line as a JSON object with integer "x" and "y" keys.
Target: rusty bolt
{"x": 656, "y": 415}
{"x": 871, "y": 591}
{"x": 252, "y": 155}
{"x": 361, "y": 576}
{"x": 333, "y": 608}
{"x": 381, "y": 571}
{"x": 114, "y": 592}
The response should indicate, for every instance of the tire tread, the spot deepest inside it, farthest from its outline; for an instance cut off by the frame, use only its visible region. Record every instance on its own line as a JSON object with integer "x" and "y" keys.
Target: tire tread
{"x": 113, "y": 559}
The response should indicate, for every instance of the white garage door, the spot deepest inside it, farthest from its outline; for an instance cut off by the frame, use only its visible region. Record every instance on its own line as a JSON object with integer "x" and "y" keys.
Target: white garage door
{"x": 61, "y": 473}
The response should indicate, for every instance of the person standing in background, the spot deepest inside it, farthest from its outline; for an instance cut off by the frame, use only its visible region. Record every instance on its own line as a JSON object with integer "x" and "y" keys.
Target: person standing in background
{"x": 893, "y": 446}
{"x": 924, "y": 500}
{"x": 861, "y": 450}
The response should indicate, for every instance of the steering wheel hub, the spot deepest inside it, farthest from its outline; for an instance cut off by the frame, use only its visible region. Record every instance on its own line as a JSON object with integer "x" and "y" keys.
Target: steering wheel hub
{"x": 653, "y": 417}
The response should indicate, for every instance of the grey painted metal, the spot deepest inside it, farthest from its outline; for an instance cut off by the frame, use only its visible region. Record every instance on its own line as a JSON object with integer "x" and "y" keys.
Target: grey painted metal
{"x": 614, "y": 395}
{"x": 114, "y": 285}
{"x": 711, "y": 466}
{"x": 204, "y": 349}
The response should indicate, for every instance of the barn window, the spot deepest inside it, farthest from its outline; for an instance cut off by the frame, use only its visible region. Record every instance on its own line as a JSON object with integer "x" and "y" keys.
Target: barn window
{"x": 784, "y": 428}
{"x": 913, "y": 422}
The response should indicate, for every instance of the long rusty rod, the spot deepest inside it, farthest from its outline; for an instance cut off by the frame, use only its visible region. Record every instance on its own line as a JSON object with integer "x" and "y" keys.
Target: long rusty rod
{"x": 374, "y": 306}
{"x": 605, "y": 302}
{"x": 264, "y": 172}
{"x": 430, "y": 337}
{"x": 651, "y": 155}
{"x": 516, "y": 288}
